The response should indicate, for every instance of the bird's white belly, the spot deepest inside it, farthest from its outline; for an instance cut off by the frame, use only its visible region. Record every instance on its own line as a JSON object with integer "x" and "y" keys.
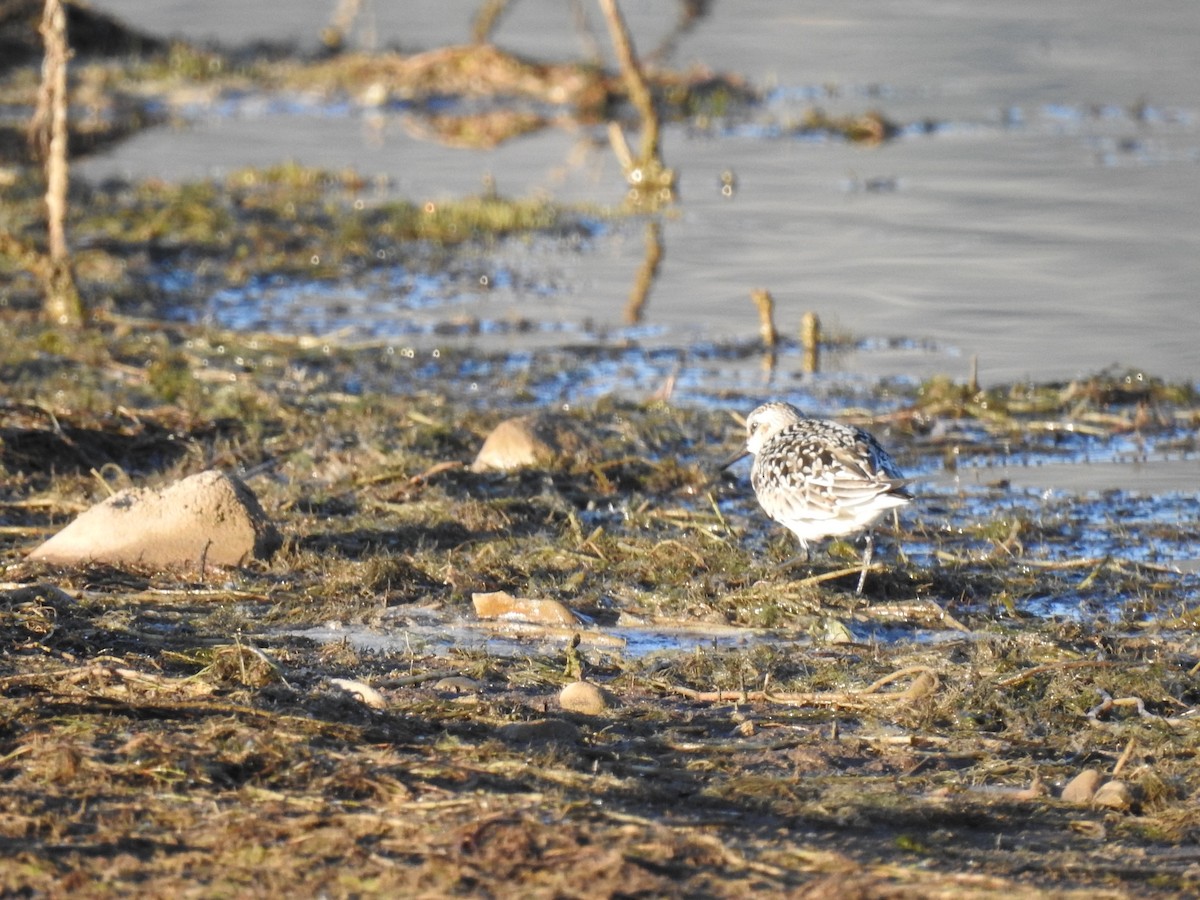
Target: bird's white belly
{"x": 848, "y": 520}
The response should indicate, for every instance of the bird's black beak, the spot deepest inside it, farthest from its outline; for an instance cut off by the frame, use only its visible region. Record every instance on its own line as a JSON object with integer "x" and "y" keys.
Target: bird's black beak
{"x": 741, "y": 454}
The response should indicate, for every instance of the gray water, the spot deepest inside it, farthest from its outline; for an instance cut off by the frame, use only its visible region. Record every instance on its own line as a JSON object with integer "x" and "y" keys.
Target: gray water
{"x": 1047, "y": 224}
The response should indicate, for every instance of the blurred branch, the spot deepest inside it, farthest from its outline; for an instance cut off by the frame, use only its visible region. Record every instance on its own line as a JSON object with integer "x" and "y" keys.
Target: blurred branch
{"x": 48, "y": 136}
{"x": 333, "y": 35}
{"x": 587, "y": 35}
{"x": 486, "y": 20}
{"x": 635, "y": 81}
{"x": 648, "y": 178}
{"x": 690, "y": 12}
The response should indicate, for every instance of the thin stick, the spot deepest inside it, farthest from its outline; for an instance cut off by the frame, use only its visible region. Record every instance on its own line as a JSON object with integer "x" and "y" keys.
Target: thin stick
{"x": 766, "y": 317}
{"x": 635, "y": 81}
{"x": 48, "y": 131}
{"x": 1124, "y": 757}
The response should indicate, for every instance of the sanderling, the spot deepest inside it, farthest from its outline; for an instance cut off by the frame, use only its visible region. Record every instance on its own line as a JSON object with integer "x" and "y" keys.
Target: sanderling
{"x": 818, "y": 478}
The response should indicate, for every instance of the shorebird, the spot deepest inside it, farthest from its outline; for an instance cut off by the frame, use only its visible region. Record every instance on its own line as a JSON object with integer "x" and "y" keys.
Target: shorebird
{"x": 819, "y": 478}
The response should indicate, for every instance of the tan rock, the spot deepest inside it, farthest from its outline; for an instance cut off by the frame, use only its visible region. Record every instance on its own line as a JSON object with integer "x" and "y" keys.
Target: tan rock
{"x": 587, "y": 698}
{"x": 1114, "y": 795}
{"x": 501, "y": 604}
{"x": 1082, "y": 787}
{"x": 209, "y": 519}
{"x": 531, "y": 441}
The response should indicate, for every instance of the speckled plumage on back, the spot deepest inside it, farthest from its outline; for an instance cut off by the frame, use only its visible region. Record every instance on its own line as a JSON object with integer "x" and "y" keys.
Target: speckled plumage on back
{"x": 818, "y": 478}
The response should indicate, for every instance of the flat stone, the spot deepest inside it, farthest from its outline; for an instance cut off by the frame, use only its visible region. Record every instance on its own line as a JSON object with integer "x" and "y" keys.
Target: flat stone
{"x": 502, "y": 605}
{"x": 1082, "y": 787}
{"x": 587, "y": 698}
{"x": 208, "y": 519}
{"x": 457, "y": 684}
{"x": 544, "y": 440}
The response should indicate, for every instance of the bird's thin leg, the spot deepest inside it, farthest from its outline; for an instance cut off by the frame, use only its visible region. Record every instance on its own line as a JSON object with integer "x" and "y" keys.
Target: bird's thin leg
{"x": 802, "y": 557}
{"x": 868, "y": 552}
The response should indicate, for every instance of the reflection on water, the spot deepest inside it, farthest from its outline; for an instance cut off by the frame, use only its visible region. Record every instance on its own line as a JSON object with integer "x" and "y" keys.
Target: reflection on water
{"x": 635, "y": 307}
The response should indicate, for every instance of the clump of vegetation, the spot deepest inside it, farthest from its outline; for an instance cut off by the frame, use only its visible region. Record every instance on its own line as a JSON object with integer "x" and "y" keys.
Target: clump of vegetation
{"x": 282, "y": 221}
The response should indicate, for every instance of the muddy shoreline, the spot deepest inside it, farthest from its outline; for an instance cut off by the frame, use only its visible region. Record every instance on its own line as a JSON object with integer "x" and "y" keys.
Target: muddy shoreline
{"x": 1009, "y": 709}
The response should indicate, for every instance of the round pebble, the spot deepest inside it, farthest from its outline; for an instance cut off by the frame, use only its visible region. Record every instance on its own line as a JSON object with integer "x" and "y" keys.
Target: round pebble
{"x": 585, "y": 697}
{"x": 1114, "y": 795}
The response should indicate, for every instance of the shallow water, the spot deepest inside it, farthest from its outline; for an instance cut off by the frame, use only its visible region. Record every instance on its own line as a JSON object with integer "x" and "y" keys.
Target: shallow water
{"x": 432, "y": 633}
{"x": 1045, "y": 221}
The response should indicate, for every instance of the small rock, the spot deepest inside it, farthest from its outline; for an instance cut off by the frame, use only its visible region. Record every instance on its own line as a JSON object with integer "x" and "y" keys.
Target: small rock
{"x": 501, "y": 604}
{"x": 207, "y": 519}
{"x": 587, "y": 698}
{"x": 1082, "y": 787}
{"x": 458, "y": 684}
{"x": 531, "y": 441}
{"x": 364, "y": 692}
{"x": 539, "y": 731}
{"x": 1114, "y": 795}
